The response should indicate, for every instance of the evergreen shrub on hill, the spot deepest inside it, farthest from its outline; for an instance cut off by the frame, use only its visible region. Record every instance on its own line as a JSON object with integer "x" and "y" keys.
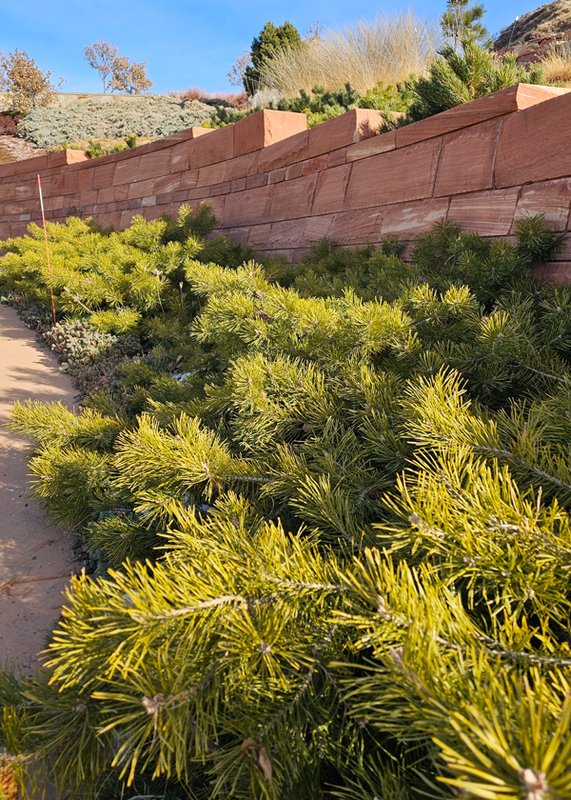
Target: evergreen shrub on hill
{"x": 114, "y": 118}
{"x": 458, "y": 77}
{"x": 330, "y": 507}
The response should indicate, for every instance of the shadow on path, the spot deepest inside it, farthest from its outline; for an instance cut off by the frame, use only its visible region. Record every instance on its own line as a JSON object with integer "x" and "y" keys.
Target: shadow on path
{"x": 35, "y": 557}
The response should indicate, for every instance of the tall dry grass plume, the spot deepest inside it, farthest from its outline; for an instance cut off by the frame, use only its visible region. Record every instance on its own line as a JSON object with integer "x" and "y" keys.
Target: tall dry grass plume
{"x": 387, "y": 50}
{"x": 556, "y": 68}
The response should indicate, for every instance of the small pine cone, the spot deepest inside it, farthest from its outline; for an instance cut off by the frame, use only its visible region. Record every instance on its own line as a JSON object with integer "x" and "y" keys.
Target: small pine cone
{"x": 8, "y": 782}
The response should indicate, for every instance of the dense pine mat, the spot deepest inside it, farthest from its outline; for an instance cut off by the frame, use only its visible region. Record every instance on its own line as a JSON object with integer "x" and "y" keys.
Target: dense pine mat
{"x": 324, "y": 512}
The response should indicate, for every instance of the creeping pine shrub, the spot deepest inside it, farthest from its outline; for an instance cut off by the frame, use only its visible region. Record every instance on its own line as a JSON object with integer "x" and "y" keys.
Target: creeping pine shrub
{"x": 114, "y": 118}
{"x": 458, "y": 77}
{"x": 321, "y": 105}
{"x": 334, "y": 503}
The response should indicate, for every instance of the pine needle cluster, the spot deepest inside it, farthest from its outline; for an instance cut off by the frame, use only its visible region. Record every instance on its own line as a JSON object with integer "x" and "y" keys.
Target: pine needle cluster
{"x": 330, "y": 508}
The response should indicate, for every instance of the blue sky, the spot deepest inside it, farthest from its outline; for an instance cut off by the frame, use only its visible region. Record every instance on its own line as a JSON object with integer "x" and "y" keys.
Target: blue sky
{"x": 184, "y": 43}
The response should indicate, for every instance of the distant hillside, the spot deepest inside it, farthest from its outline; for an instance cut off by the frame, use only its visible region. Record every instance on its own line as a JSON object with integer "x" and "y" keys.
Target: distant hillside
{"x": 536, "y": 32}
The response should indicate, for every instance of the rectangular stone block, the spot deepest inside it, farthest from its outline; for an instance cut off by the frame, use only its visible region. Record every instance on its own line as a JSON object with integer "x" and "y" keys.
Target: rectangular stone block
{"x": 217, "y": 204}
{"x": 179, "y": 157}
{"x": 467, "y": 160}
{"x": 550, "y": 198}
{"x": 188, "y": 133}
{"x": 53, "y": 184}
{"x": 126, "y": 218}
{"x": 277, "y": 175}
{"x": 85, "y": 179}
{"x": 239, "y": 235}
{"x": 556, "y": 272}
{"x": 337, "y": 157}
{"x": 154, "y": 165}
{"x": 535, "y": 144}
{"x": 128, "y": 170}
{"x": 212, "y": 174}
{"x": 357, "y": 227}
{"x": 242, "y": 166}
{"x": 75, "y": 156}
{"x": 8, "y": 191}
{"x": 114, "y": 194}
{"x": 181, "y": 196}
{"x": 259, "y": 236}
{"x": 219, "y": 188}
{"x": 284, "y": 153}
{"x": 189, "y": 179}
{"x": 407, "y": 220}
{"x": 31, "y": 165}
{"x": 85, "y": 199}
{"x": 52, "y": 203}
{"x": 381, "y": 143}
{"x": 265, "y": 128}
{"x": 317, "y": 228}
{"x": 315, "y": 164}
{"x": 293, "y": 198}
{"x": 167, "y": 184}
{"x": 353, "y": 126}
{"x": 57, "y": 158}
{"x": 248, "y": 207}
{"x": 505, "y": 101}
{"x": 20, "y": 228}
{"x": 217, "y": 146}
{"x": 110, "y": 220}
{"x": 393, "y": 177}
{"x": 294, "y": 170}
{"x": 255, "y": 181}
{"x": 331, "y": 189}
{"x": 70, "y": 181}
{"x": 103, "y": 175}
{"x": 286, "y": 233}
{"x": 26, "y": 191}
{"x": 488, "y": 213}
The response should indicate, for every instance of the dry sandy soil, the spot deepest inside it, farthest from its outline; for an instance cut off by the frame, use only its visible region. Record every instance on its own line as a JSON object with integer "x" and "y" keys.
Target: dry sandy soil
{"x": 36, "y": 558}
{"x": 13, "y": 148}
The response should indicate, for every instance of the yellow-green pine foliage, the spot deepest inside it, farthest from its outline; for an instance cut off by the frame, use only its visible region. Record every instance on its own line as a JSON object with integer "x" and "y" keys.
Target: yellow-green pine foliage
{"x": 328, "y": 509}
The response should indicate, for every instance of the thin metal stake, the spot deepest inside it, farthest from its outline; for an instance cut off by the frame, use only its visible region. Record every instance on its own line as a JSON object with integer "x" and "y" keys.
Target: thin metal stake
{"x": 47, "y": 249}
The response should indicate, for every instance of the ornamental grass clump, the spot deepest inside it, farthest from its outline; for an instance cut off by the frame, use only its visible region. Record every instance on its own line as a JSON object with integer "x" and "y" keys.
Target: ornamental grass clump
{"x": 387, "y": 50}
{"x": 331, "y": 507}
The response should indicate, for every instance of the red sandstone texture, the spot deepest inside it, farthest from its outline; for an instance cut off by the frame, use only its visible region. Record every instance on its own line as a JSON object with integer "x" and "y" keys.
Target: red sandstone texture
{"x": 280, "y": 187}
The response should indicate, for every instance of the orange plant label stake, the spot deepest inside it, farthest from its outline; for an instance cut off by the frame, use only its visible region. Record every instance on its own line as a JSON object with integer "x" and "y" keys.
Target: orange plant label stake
{"x": 47, "y": 249}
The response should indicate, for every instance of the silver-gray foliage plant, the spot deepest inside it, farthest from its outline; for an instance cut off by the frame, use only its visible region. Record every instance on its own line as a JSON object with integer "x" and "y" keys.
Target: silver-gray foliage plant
{"x": 152, "y": 116}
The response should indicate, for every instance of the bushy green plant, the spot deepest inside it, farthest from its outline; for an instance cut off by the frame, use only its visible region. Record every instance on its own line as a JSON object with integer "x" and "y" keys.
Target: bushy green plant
{"x": 335, "y": 503}
{"x": 458, "y": 77}
{"x": 271, "y": 40}
{"x": 322, "y": 105}
{"x": 112, "y": 118}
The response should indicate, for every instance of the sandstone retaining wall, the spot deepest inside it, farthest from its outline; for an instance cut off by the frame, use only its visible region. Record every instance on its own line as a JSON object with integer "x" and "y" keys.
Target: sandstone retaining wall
{"x": 280, "y": 187}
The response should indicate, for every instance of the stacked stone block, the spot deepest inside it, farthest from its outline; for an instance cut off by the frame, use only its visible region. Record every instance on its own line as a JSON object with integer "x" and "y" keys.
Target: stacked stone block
{"x": 280, "y": 187}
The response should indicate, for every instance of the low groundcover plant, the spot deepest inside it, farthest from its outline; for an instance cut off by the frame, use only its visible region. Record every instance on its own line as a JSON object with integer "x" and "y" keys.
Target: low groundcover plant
{"x": 328, "y": 510}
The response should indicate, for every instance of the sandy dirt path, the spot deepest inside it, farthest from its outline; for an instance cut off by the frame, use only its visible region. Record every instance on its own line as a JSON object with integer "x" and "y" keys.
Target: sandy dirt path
{"x": 35, "y": 557}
